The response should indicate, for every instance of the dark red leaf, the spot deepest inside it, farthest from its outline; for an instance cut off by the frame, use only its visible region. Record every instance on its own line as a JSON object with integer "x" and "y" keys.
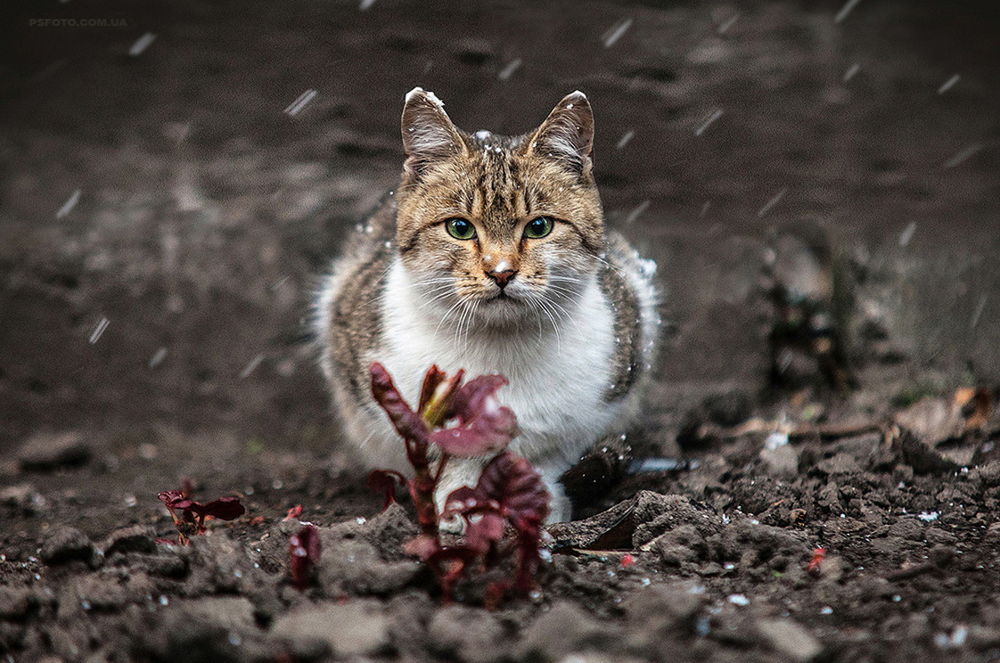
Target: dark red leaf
{"x": 407, "y": 422}
{"x": 304, "y": 550}
{"x": 484, "y": 530}
{"x": 386, "y": 482}
{"x": 484, "y": 426}
{"x": 224, "y": 508}
{"x": 514, "y": 484}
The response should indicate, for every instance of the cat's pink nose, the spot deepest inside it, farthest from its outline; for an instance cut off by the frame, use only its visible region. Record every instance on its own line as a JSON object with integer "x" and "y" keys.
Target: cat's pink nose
{"x": 502, "y": 278}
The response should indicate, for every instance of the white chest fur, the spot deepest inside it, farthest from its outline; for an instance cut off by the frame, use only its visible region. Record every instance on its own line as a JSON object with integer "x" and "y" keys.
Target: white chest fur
{"x": 558, "y": 374}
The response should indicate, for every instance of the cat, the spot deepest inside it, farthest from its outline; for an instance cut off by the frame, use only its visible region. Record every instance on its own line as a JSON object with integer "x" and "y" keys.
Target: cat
{"x": 492, "y": 256}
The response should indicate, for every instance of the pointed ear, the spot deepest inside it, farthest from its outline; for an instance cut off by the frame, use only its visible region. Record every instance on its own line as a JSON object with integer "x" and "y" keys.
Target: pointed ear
{"x": 567, "y": 134}
{"x": 428, "y": 133}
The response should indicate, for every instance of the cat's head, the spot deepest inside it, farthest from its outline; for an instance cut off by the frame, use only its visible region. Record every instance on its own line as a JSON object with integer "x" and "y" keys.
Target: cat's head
{"x": 499, "y": 229}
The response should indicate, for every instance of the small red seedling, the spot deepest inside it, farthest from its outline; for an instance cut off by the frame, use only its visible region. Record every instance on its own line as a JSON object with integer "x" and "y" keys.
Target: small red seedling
{"x": 627, "y": 560}
{"x": 304, "y": 550}
{"x": 813, "y": 567}
{"x": 190, "y": 516}
{"x": 509, "y": 491}
{"x": 293, "y": 513}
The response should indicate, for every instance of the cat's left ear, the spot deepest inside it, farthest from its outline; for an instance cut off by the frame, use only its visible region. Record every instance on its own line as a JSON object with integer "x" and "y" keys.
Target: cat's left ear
{"x": 428, "y": 133}
{"x": 567, "y": 134}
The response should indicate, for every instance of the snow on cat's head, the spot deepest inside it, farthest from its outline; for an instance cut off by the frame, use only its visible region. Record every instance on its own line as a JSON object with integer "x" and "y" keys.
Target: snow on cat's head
{"x": 494, "y": 229}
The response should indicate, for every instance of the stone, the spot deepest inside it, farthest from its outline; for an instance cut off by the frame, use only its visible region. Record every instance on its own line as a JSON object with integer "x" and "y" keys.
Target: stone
{"x": 562, "y": 630}
{"x": 680, "y": 546}
{"x": 782, "y": 462}
{"x": 355, "y": 566}
{"x": 44, "y": 452}
{"x": 790, "y": 638}
{"x": 661, "y": 611}
{"x": 357, "y": 628}
{"x": 468, "y": 634}
{"x": 64, "y": 544}
{"x": 841, "y": 463}
{"x": 134, "y": 539}
{"x": 16, "y": 602}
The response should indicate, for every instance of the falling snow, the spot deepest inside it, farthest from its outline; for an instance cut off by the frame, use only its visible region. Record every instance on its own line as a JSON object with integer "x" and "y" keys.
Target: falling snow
{"x": 141, "y": 44}
{"x": 95, "y": 335}
{"x": 509, "y": 69}
{"x": 846, "y": 10}
{"x": 715, "y": 115}
{"x": 300, "y": 102}
{"x": 728, "y": 23}
{"x": 70, "y": 203}
{"x": 251, "y": 367}
{"x": 948, "y": 84}
{"x": 963, "y": 156}
{"x": 625, "y": 139}
{"x": 616, "y": 32}
{"x": 769, "y": 205}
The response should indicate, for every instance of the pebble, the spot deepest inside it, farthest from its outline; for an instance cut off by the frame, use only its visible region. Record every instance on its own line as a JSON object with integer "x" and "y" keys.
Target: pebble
{"x": 44, "y": 452}
{"x": 64, "y": 544}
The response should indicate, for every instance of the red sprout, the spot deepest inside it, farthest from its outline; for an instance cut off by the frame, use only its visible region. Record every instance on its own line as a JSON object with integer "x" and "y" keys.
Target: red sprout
{"x": 509, "y": 491}
{"x": 304, "y": 550}
{"x": 813, "y": 567}
{"x": 190, "y": 516}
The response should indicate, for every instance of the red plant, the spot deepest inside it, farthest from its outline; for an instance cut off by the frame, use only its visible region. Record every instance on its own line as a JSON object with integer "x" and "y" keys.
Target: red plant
{"x": 304, "y": 550}
{"x": 190, "y": 516}
{"x": 509, "y": 491}
{"x": 293, "y": 513}
{"x": 813, "y": 567}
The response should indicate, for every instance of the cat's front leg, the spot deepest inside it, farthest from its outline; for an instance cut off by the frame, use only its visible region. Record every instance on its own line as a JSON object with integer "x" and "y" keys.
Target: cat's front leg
{"x": 457, "y": 472}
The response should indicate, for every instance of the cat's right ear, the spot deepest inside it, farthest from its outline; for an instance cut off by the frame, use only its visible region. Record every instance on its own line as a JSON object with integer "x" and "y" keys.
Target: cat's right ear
{"x": 428, "y": 132}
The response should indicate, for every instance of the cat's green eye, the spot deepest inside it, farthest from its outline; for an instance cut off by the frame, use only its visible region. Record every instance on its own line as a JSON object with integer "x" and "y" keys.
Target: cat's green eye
{"x": 538, "y": 228}
{"x": 460, "y": 228}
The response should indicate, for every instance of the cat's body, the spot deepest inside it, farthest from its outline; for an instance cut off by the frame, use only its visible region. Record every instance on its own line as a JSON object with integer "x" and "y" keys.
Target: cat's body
{"x": 575, "y": 360}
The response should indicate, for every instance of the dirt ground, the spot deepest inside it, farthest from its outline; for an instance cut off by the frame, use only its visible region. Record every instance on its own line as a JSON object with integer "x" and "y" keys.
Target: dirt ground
{"x": 165, "y": 212}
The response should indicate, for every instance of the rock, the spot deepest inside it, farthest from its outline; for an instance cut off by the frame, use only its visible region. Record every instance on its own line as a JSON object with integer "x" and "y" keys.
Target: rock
{"x": 44, "y": 452}
{"x": 782, "y": 461}
{"x": 680, "y": 546}
{"x": 907, "y": 528}
{"x": 562, "y": 630}
{"x": 657, "y": 514}
{"x": 229, "y": 612}
{"x": 933, "y": 420}
{"x": 134, "y": 539}
{"x": 218, "y": 629}
{"x": 104, "y": 591}
{"x": 660, "y": 609}
{"x": 358, "y": 628}
{"x": 271, "y": 551}
{"x": 355, "y": 566}
{"x": 16, "y": 602}
{"x": 408, "y": 614}
{"x": 467, "y": 634}
{"x": 756, "y": 545}
{"x": 789, "y": 638}
{"x": 64, "y": 544}
{"x": 389, "y": 530}
{"x": 21, "y": 495}
{"x": 840, "y": 463}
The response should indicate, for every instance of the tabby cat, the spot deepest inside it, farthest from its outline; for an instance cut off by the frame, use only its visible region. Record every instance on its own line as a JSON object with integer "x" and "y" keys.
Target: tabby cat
{"x": 492, "y": 256}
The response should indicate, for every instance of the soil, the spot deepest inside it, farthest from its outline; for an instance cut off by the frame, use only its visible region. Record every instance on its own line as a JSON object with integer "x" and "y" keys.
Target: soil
{"x": 204, "y": 214}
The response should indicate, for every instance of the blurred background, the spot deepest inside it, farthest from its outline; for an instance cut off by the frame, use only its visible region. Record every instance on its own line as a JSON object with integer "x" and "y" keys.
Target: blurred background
{"x": 176, "y": 175}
